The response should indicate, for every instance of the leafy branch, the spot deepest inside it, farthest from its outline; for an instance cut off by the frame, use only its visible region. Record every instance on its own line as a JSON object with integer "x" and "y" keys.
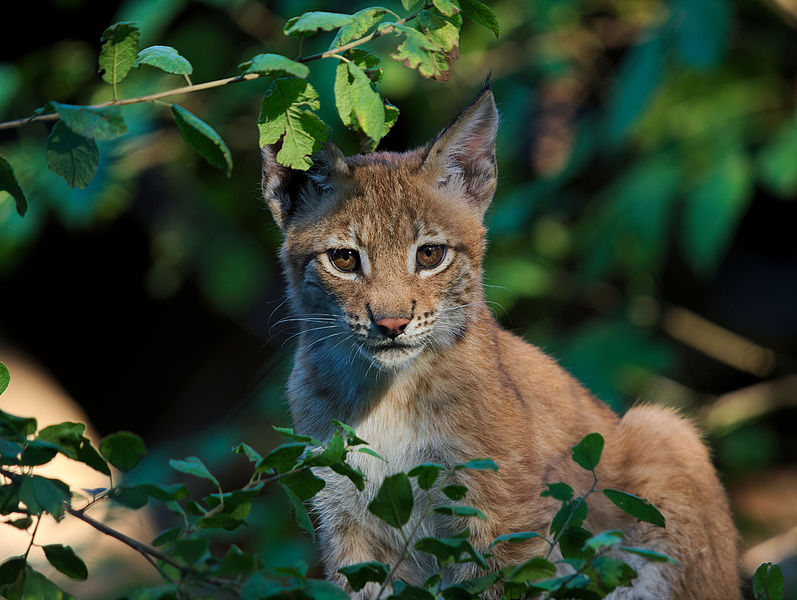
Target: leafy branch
{"x": 430, "y": 44}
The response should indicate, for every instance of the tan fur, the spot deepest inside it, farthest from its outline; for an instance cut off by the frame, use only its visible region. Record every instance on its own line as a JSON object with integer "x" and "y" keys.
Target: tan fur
{"x": 465, "y": 388}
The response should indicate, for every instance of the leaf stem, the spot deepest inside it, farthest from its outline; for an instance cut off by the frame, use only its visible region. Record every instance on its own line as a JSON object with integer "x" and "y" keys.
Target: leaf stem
{"x": 190, "y": 88}
{"x": 33, "y": 536}
{"x": 572, "y": 512}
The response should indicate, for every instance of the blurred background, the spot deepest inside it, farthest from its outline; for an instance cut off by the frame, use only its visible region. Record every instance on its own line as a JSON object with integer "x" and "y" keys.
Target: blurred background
{"x": 644, "y": 231}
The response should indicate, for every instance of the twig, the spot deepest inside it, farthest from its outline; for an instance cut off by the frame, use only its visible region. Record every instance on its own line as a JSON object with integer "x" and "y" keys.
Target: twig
{"x": 570, "y": 516}
{"x": 189, "y": 89}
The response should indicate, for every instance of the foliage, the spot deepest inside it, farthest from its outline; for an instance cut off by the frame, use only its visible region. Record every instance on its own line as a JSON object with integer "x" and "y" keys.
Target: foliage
{"x": 431, "y": 44}
{"x": 189, "y": 566}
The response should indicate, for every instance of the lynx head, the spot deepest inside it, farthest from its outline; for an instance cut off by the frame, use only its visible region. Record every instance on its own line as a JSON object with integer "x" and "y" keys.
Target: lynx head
{"x": 382, "y": 252}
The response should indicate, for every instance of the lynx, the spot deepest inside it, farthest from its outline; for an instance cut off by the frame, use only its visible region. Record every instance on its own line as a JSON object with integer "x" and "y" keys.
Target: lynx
{"x": 382, "y": 256}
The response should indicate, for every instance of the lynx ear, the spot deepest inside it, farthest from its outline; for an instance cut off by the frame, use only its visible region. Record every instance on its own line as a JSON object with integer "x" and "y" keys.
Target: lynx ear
{"x": 464, "y": 152}
{"x": 286, "y": 190}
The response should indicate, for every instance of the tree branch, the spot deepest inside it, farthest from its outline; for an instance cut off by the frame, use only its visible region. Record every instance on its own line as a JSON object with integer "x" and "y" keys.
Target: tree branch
{"x": 189, "y": 89}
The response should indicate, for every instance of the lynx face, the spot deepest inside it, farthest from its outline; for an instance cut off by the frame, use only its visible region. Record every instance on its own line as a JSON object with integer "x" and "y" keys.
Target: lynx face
{"x": 383, "y": 252}
{"x": 391, "y": 268}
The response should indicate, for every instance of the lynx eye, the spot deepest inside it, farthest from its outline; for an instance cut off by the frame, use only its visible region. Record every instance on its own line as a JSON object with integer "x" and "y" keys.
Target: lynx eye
{"x": 430, "y": 255}
{"x": 344, "y": 259}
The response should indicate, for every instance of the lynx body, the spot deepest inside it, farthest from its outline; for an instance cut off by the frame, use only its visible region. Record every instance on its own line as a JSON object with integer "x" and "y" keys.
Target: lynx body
{"x": 382, "y": 257}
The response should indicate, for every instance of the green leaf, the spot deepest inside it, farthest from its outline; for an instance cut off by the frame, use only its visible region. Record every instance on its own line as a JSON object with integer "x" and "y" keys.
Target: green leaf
{"x": 9, "y": 450}
{"x": 635, "y": 506}
{"x": 461, "y": 511}
{"x": 768, "y": 582}
{"x": 98, "y": 123}
{"x": 41, "y": 494}
{"x": 367, "y": 104}
{"x": 11, "y": 569}
{"x": 391, "y": 115}
{"x": 118, "y": 53}
{"x": 355, "y": 475}
{"x": 426, "y": 474}
{"x": 312, "y": 22}
{"x": 571, "y": 514}
{"x": 451, "y": 550}
{"x": 637, "y": 79}
{"x": 164, "y": 58}
{"x": 203, "y": 138}
{"x": 123, "y": 449}
{"x": 418, "y": 52}
{"x": 482, "y": 14}
{"x": 65, "y": 560}
{"x": 408, "y": 4}
{"x": 394, "y": 501}
{"x": 275, "y": 65}
{"x": 571, "y": 543}
{"x": 334, "y": 451}
{"x": 605, "y": 539}
{"x": 23, "y": 523}
{"x": 303, "y": 483}
{"x": 5, "y": 376}
{"x": 361, "y": 22}
{"x": 193, "y": 466}
{"x": 8, "y": 183}
{"x": 455, "y": 492}
{"x": 776, "y": 164}
{"x": 441, "y": 32}
{"x": 282, "y": 458}
{"x": 701, "y": 36}
{"x": 446, "y": 7}
{"x": 37, "y": 587}
{"x": 250, "y": 453}
{"x": 352, "y": 439}
{"x": 191, "y": 550}
{"x": 168, "y": 536}
{"x": 9, "y": 498}
{"x": 237, "y": 562}
{"x": 38, "y": 453}
{"x": 361, "y": 573}
{"x": 370, "y": 452}
{"x": 323, "y": 590}
{"x": 714, "y": 206}
{"x": 587, "y": 453}
{"x": 131, "y": 496}
{"x": 479, "y": 464}
{"x": 535, "y": 568}
{"x": 514, "y": 538}
{"x": 650, "y": 554}
{"x": 558, "y": 491}
{"x": 288, "y": 432}
{"x": 19, "y": 427}
{"x": 612, "y": 572}
{"x": 412, "y": 592}
{"x": 300, "y": 512}
{"x": 258, "y": 587}
{"x": 285, "y": 115}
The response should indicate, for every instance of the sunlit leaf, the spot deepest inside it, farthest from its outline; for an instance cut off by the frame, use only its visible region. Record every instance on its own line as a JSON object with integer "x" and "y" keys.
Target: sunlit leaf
{"x": 361, "y": 22}
{"x": 119, "y": 49}
{"x": 165, "y": 58}
{"x": 313, "y": 22}
{"x": 275, "y": 65}
{"x": 481, "y": 14}
{"x": 286, "y": 115}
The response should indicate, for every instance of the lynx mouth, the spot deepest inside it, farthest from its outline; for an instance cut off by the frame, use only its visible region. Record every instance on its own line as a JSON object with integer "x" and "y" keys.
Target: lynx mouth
{"x": 392, "y": 354}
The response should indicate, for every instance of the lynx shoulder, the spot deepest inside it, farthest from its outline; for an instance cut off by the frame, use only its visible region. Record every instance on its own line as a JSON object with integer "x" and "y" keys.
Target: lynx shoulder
{"x": 382, "y": 257}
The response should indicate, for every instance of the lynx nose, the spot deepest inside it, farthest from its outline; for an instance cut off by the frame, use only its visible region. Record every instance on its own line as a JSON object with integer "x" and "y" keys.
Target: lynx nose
{"x": 392, "y": 326}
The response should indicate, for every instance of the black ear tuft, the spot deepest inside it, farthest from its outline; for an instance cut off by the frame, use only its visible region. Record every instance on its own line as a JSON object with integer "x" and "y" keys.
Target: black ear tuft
{"x": 464, "y": 152}
{"x": 284, "y": 189}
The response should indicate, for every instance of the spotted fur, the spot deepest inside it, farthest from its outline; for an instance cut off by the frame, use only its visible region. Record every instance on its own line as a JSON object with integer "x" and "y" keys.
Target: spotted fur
{"x": 453, "y": 385}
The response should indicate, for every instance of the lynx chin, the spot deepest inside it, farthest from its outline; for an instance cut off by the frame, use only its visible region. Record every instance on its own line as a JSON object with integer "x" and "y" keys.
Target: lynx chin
{"x": 382, "y": 255}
